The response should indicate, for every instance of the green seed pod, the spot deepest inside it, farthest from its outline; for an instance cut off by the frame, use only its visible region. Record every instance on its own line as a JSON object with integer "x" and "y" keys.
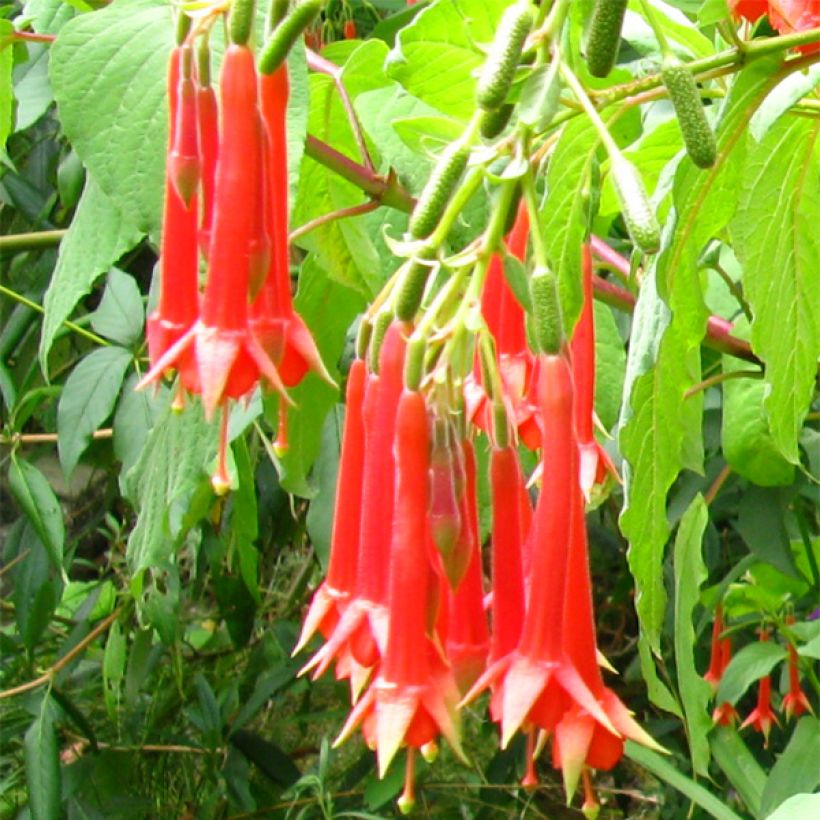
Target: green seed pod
{"x": 604, "y": 36}
{"x": 410, "y": 288}
{"x": 380, "y": 325}
{"x": 505, "y": 52}
{"x": 436, "y": 193}
{"x": 697, "y": 133}
{"x": 277, "y": 11}
{"x": 286, "y": 34}
{"x": 493, "y": 122}
{"x": 241, "y": 21}
{"x": 638, "y": 214}
{"x": 546, "y": 311}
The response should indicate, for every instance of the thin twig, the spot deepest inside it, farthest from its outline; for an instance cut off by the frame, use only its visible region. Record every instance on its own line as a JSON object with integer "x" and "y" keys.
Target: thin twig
{"x": 342, "y": 213}
{"x": 718, "y": 378}
{"x": 318, "y": 63}
{"x": 714, "y": 489}
{"x": 49, "y": 438}
{"x": 30, "y": 241}
{"x": 34, "y": 37}
{"x": 49, "y": 674}
{"x": 14, "y": 562}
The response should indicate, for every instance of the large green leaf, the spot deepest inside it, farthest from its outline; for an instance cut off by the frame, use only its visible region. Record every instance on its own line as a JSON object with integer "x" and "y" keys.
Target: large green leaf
{"x": 108, "y": 71}
{"x": 38, "y": 501}
{"x": 564, "y": 216}
{"x": 690, "y": 573}
{"x": 739, "y": 765}
{"x": 98, "y": 236}
{"x": 753, "y": 662}
{"x": 778, "y": 245}
{"x": 748, "y": 445}
{"x": 435, "y": 56}
{"x": 87, "y": 399}
{"x": 42, "y": 755}
{"x": 797, "y": 769}
{"x": 173, "y": 461}
{"x": 661, "y": 430}
{"x": 798, "y": 807}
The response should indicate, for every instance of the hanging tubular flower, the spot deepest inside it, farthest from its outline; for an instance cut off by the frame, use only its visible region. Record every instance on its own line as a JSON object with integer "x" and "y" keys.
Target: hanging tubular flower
{"x": 716, "y": 667}
{"x": 795, "y": 702}
{"x": 413, "y": 699}
{"x": 178, "y": 307}
{"x": 362, "y": 629}
{"x": 468, "y": 639}
{"x": 595, "y": 463}
{"x": 229, "y": 359}
{"x": 279, "y": 329}
{"x": 505, "y": 321}
{"x": 762, "y": 717}
{"x": 725, "y": 713}
{"x": 333, "y": 595}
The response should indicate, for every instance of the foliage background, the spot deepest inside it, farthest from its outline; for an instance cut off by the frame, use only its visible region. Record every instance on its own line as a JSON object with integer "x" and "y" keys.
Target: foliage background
{"x": 156, "y": 621}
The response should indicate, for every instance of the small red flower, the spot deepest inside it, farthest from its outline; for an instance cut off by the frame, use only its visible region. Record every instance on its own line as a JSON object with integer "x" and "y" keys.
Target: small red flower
{"x": 716, "y": 667}
{"x": 751, "y": 10}
{"x": 762, "y": 717}
{"x": 795, "y": 702}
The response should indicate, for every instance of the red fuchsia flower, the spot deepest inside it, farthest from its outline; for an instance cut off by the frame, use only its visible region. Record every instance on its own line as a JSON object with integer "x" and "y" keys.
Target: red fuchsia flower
{"x": 791, "y": 16}
{"x": 508, "y": 537}
{"x": 413, "y": 699}
{"x": 207, "y": 111}
{"x": 762, "y": 717}
{"x": 230, "y": 361}
{"x": 751, "y": 10}
{"x": 279, "y": 329}
{"x": 551, "y": 679}
{"x": 362, "y": 629}
{"x": 178, "y": 307}
{"x": 795, "y": 702}
{"x": 505, "y": 320}
{"x": 468, "y": 639}
{"x": 725, "y": 713}
{"x": 716, "y": 668}
{"x": 595, "y": 463}
{"x": 334, "y": 594}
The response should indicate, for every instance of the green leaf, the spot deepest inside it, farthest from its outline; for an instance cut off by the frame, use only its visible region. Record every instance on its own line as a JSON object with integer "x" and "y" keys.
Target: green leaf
{"x": 42, "y": 756}
{"x": 121, "y": 315}
{"x": 610, "y": 362}
{"x": 87, "y": 399}
{"x": 761, "y": 524}
{"x": 37, "y": 500}
{"x": 208, "y": 709}
{"x": 748, "y": 445}
{"x": 113, "y": 668}
{"x": 782, "y": 98}
{"x": 325, "y": 471}
{"x": 171, "y": 465}
{"x": 36, "y": 594}
{"x": 739, "y": 766}
{"x": 798, "y": 807}
{"x": 564, "y": 217}
{"x": 271, "y": 760}
{"x": 436, "y": 55}
{"x": 136, "y": 413}
{"x": 690, "y": 573}
{"x": 6, "y": 92}
{"x": 666, "y": 771}
{"x": 656, "y": 689}
{"x": 797, "y": 769}
{"x": 99, "y": 235}
{"x": 778, "y": 246}
{"x": 660, "y": 430}
{"x": 31, "y": 86}
{"x": 753, "y": 662}
{"x": 427, "y": 133}
{"x": 108, "y": 70}
{"x": 683, "y": 36}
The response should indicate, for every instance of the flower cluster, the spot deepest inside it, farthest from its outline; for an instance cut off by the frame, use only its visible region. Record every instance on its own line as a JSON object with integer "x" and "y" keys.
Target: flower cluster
{"x": 793, "y": 704}
{"x": 226, "y": 204}
{"x": 404, "y": 608}
{"x": 786, "y": 16}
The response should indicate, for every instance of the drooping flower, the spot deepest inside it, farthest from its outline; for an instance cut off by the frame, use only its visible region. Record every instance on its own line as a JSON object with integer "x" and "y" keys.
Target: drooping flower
{"x": 762, "y": 717}
{"x": 332, "y": 597}
{"x": 725, "y": 713}
{"x": 795, "y": 702}
{"x": 595, "y": 463}
{"x": 716, "y": 667}
{"x": 362, "y": 629}
{"x": 413, "y": 698}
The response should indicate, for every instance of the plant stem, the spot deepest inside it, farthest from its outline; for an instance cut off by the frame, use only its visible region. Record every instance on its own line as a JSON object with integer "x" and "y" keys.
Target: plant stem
{"x": 342, "y": 213}
{"x": 388, "y": 191}
{"x": 81, "y": 331}
{"x": 719, "y": 378}
{"x": 13, "y": 243}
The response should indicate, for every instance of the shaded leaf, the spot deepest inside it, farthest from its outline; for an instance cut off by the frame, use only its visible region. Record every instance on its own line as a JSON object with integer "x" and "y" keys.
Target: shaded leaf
{"x": 43, "y": 765}
{"x": 739, "y": 766}
{"x": 120, "y": 316}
